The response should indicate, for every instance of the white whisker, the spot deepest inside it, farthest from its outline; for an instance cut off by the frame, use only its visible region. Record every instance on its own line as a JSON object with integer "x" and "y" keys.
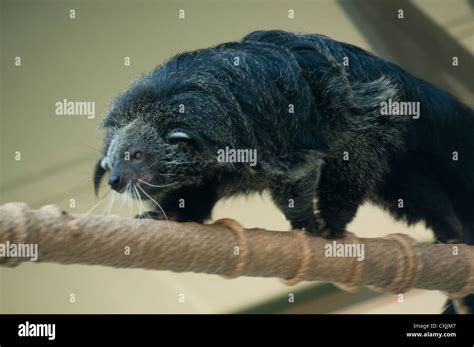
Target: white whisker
{"x": 112, "y": 200}
{"x": 93, "y": 207}
{"x": 139, "y": 198}
{"x": 157, "y": 186}
{"x": 157, "y": 204}
{"x": 123, "y": 197}
{"x": 138, "y": 204}
{"x": 128, "y": 192}
{"x": 180, "y": 162}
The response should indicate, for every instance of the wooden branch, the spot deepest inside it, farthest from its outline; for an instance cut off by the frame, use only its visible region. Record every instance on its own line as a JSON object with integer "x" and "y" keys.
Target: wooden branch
{"x": 392, "y": 264}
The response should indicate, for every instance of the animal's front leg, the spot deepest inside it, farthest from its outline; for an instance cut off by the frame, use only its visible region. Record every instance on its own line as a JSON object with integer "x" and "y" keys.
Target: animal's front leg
{"x": 295, "y": 200}
{"x": 338, "y": 201}
{"x": 293, "y": 192}
{"x": 187, "y": 204}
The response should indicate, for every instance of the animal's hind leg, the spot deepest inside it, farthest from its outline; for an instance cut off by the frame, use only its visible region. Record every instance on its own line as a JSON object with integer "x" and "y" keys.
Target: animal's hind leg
{"x": 414, "y": 195}
{"x": 447, "y": 228}
{"x": 464, "y": 209}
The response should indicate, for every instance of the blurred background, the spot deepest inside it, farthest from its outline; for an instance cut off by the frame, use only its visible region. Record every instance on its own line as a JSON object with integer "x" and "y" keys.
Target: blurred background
{"x": 82, "y": 59}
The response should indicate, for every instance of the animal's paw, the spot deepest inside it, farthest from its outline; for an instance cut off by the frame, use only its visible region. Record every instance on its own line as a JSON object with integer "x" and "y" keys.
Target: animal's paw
{"x": 330, "y": 233}
{"x": 309, "y": 225}
{"x": 448, "y": 240}
{"x": 326, "y": 230}
{"x": 315, "y": 225}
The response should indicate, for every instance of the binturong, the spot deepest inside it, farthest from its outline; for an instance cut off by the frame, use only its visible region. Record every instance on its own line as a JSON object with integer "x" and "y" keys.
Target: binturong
{"x": 328, "y": 125}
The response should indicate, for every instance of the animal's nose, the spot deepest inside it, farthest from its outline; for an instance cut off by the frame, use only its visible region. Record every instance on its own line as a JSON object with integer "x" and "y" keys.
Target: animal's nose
{"x": 114, "y": 181}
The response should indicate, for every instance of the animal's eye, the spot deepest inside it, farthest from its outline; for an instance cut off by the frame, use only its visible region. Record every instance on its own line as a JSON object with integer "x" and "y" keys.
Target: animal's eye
{"x": 137, "y": 155}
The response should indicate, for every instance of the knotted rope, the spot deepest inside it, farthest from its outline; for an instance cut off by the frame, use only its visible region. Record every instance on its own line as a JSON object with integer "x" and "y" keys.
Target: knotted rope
{"x": 392, "y": 264}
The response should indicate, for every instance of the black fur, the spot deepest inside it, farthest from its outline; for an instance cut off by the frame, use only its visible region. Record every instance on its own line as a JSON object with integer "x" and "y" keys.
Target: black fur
{"x": 300, "y": 155}
{"x": 99, "y": 173}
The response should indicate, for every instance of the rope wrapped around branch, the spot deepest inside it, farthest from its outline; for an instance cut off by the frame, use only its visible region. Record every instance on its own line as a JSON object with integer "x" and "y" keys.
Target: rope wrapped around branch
{"x": 392, "y": 264}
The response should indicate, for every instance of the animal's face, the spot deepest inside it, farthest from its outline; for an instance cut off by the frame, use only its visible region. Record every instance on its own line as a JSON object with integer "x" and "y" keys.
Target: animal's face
{"x": 141, "y": 157}
{"x": 164, "y": 131}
